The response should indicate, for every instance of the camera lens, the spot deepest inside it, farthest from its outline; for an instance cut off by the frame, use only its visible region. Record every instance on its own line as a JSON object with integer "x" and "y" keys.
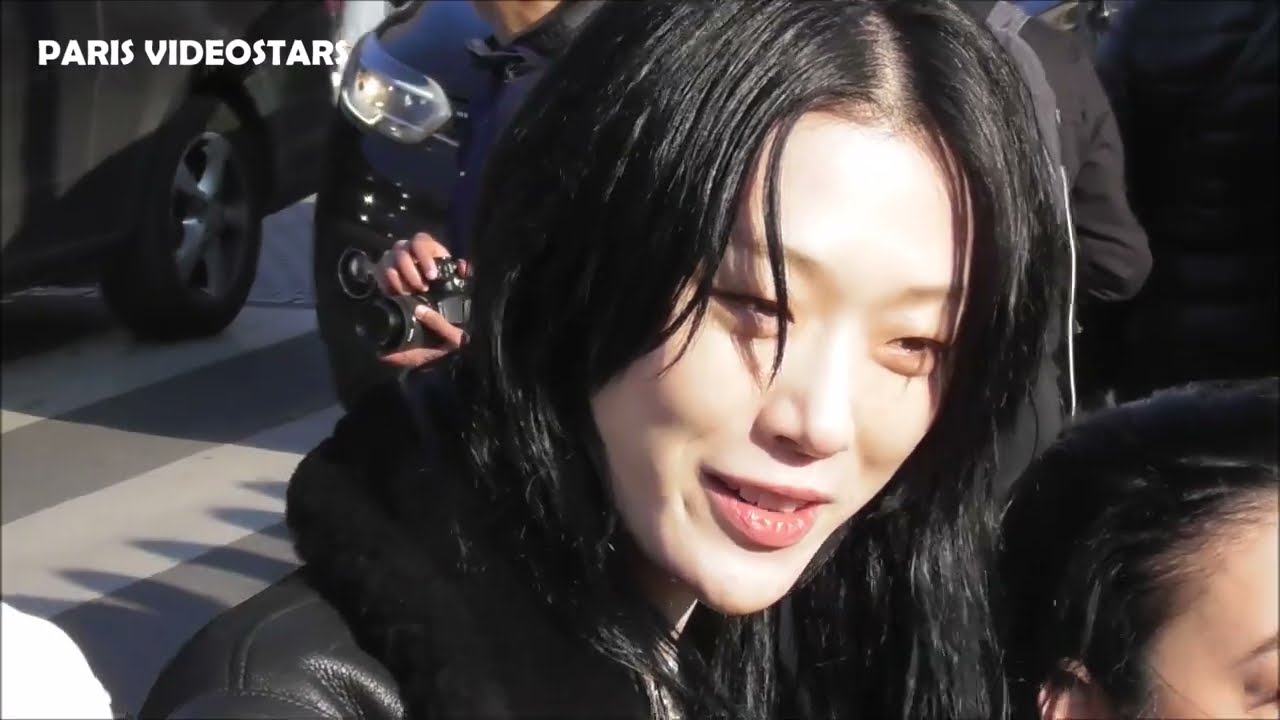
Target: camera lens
{"x": 355, "y": 274}
{"x": 381, "y": 324}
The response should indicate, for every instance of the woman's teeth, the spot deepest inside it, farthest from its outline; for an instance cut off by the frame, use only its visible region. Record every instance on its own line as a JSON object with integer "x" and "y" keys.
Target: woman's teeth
{"x": 769, "y": 501}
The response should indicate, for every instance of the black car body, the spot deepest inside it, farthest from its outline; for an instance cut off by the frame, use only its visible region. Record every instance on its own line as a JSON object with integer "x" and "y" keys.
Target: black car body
{"x": 379, "y": 190}
{"x": 95, "y": 156}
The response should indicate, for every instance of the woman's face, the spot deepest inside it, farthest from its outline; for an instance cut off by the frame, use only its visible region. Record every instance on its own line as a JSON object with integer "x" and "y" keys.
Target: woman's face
{"x": 730, "y": 483}
{"x": 1218, "y": 658}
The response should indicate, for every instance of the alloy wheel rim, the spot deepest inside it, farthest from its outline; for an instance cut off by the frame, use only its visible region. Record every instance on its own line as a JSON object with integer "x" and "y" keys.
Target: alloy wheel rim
{"x": 210, "y": 205}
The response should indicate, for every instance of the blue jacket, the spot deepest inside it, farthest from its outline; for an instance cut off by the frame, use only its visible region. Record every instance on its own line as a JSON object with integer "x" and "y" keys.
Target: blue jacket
{"x": 490, "y": 115}
{"x": 516, "y": 68}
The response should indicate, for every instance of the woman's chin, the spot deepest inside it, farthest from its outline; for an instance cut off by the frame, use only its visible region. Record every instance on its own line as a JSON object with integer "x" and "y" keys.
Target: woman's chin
{"x": 728, "y": 595}
{"x": 722, "y": 575}
{"x": 734, "y": 604}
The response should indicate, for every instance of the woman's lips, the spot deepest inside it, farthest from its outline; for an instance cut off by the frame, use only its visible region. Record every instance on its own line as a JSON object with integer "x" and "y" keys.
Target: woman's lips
{"x": 770, "y": 520}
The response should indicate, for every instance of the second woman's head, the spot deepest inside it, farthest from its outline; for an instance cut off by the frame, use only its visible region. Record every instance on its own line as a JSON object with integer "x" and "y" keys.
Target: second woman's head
{"x": 1139, "y": 562}
{"x": 733, "y": 263}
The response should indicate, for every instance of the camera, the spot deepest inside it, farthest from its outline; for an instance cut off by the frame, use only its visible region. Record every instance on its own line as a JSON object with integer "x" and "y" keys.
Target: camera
{"x": 387, "y": 322}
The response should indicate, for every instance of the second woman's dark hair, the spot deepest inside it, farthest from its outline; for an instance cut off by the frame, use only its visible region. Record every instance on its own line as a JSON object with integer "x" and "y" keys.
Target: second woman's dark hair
{"x": 1101, "y": 534}
{"x": 607, "y": 208}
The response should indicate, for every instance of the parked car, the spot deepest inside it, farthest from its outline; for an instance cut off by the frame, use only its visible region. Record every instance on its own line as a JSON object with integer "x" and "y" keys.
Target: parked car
{"x": 381, "y": 186}
{"x": 357, "y": 17}
{"x": 153, "y": 179}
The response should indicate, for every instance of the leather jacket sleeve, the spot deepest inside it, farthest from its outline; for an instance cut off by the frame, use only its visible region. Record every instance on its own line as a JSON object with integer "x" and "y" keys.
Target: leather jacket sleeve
{"x": 284, "y": 653}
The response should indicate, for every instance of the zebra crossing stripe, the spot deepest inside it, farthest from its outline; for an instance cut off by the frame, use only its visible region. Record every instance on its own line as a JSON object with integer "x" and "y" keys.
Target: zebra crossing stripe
{"x": 58, "y": 382}
{"x": 206, "y": 501}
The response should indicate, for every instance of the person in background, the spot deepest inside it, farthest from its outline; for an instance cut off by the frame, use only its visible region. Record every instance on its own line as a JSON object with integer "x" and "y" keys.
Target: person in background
{"x": 1112, "y": 257}
{"x": 43, "y": 674}
{"x": 731, "y": 308}
{"x": 513, "y": 19}
{"x": 526, "y": 35}
{"x": 1114, "y": 253}
{"x": 1139, "y": 562}
{"x": 1194, "y": 88}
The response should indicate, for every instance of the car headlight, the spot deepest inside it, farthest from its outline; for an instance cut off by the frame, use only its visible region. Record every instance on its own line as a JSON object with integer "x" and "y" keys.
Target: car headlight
{"x": 380, "y": 93}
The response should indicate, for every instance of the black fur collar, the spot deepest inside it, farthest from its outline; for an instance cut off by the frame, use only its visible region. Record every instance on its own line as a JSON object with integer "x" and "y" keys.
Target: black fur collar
{"x": 376, "y": 529}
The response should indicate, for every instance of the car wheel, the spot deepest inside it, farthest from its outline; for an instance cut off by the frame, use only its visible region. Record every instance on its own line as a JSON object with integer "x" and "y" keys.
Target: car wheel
{"x": 354, "y": 366}
{"x": 190, "y": 267}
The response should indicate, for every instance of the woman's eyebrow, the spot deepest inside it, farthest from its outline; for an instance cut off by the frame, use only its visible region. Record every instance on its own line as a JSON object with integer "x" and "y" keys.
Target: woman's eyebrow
{"x": 797, "y": 263}
{"x": 925, "y": 295}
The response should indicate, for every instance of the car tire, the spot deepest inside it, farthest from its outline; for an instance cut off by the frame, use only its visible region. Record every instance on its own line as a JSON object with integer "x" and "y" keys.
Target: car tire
{"x": 354, "y": 366}
{"x": 188, "y": 271}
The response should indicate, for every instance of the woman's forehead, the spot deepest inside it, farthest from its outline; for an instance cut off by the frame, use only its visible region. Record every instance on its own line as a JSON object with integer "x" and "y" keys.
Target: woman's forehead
{"x": 863, "y": 205}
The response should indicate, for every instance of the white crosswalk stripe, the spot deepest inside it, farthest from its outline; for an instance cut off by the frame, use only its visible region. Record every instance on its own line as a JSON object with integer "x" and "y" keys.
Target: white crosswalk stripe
{"x": 173, "y": 502}
{"x": 143, "y": 485}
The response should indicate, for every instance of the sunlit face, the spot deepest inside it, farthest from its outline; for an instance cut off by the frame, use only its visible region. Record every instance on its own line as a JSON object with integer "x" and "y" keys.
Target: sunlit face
{"x": 730, "y": 483}
{"x": 1218, "y": 658}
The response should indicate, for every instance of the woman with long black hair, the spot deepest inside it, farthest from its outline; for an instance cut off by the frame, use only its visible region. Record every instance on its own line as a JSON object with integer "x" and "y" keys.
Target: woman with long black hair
{"x": 753, "y": 282}
{"x": 1139, "y": 561}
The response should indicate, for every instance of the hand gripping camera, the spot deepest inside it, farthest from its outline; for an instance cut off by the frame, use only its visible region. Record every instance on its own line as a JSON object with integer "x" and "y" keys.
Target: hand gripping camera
{"x": 387, "y": 322}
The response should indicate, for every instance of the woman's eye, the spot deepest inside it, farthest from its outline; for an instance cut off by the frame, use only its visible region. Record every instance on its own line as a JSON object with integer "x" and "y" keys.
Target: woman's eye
{"x": 1263, "y": 695}
{"x": 1265, "y": 708}
{"x": 915, "y": 356}
{"x": 752, "y": 314}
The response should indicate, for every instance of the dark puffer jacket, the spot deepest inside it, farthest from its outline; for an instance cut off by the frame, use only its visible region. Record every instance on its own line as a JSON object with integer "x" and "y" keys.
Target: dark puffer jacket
{"x": 1199, "y": 128}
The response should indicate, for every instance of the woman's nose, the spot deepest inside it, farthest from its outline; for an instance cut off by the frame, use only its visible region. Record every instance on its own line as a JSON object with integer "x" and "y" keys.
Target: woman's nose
{"x": 809, "y": 407}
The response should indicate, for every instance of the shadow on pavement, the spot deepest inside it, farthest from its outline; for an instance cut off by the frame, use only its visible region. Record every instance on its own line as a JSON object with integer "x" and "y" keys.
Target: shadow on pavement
{"x": 137, "y": 624}
{"x": 38, "y": 323}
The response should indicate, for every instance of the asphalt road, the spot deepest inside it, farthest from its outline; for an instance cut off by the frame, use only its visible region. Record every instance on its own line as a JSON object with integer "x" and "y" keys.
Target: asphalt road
{"x": 143, "y": 485}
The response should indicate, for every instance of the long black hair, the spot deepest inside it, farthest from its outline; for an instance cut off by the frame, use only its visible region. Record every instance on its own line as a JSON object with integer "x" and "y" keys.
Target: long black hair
{"x": 1101, "y": 532}
{"x": 605, "y": 211}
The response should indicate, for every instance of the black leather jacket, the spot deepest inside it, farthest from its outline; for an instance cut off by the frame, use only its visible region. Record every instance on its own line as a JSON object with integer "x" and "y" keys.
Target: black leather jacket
{"x": 392, "y": 615}
{"x": 1200, "y": 133}
{"x": 286, "y": 653}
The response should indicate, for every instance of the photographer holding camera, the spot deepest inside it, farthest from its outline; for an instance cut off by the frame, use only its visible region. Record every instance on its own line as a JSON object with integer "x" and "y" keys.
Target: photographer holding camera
{"x": 543, "y": 29}
{"x": 406, "y": 269}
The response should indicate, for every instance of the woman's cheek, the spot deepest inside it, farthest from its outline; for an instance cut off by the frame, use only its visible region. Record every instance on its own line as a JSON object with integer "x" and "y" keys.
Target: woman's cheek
{"x": 891, "y": 418}
{"x": 706, "y": 388}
